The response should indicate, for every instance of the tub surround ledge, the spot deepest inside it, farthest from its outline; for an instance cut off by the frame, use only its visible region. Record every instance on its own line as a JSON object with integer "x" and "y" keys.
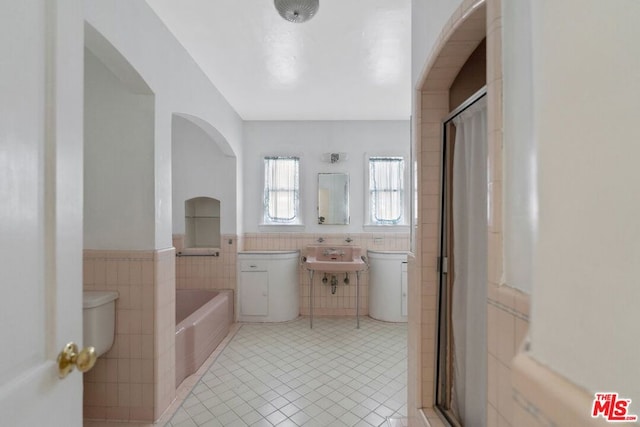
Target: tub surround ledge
{"x": 544, "y": 398}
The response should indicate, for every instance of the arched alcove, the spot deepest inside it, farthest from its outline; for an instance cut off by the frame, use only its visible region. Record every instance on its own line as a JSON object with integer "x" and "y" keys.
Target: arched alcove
{"x": 210, "y": 130}
{"x": 97, "y": 44}
{"x": 201, "y": 167}
{"x": 204, "y": 194}
{"x": 202, "y": 222}
{"x": 119, "y": 140}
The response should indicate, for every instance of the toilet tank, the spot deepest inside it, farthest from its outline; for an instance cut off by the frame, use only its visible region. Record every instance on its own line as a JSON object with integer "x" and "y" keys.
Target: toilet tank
{"x": 99, "y": 319}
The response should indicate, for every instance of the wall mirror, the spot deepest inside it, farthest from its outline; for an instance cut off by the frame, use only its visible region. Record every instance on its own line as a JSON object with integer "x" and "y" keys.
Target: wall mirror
{"x": 333, "y": 198}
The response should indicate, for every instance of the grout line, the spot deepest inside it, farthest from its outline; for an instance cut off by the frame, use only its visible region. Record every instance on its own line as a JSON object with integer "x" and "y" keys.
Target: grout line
{"x": 507, "y": 309}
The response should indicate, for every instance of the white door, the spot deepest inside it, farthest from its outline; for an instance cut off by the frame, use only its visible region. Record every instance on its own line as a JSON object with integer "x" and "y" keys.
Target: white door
{"x": 41, "y": 44}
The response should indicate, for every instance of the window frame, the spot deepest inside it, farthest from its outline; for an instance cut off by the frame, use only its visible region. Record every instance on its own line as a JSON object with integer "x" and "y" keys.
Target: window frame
{"x": 368, "y": 194}
{"x": 266, "y": 218}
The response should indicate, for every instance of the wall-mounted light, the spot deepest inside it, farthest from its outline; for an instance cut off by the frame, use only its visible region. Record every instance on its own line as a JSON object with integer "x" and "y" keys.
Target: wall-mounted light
{"x": 334, "y": 157}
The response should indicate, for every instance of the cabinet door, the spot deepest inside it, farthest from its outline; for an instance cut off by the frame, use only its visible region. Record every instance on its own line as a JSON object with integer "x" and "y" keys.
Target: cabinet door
{"x": 404, "y": 289}
{"x": 254, "y": 293}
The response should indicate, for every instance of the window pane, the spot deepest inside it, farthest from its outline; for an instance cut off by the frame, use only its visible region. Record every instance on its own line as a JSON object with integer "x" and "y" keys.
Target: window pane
{"x": 281, "y": 189}
{"x": 282, "y": 207}
{"x": 386, "y": 186}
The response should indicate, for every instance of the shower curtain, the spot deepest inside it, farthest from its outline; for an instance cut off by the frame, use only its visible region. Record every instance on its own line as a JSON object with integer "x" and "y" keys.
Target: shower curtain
{"x": 469, "y": 293}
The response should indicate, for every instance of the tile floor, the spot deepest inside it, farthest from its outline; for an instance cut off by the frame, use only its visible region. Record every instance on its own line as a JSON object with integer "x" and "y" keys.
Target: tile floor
{"x": 289, "y": 375}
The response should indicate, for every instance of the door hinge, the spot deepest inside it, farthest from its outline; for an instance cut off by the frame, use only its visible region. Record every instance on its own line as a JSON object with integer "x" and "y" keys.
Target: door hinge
{"x": 445, "y": 265}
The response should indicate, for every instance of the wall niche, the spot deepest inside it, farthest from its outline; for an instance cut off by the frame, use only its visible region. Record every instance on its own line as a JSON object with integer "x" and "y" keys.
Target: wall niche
{"x": 202, "y": 222}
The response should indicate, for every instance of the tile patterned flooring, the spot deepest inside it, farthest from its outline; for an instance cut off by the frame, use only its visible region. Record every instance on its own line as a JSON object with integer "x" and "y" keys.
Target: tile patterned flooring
{"x": 286, "y": 374}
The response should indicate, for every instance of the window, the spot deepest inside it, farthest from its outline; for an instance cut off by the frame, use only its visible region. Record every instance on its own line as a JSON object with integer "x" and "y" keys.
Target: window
{"x": 386, "y": 190}
{"x": 281, "y": 190}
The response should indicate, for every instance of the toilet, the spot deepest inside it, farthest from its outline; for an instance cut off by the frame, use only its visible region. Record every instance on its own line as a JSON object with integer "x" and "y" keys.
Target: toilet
{"x": 99, "y": 319}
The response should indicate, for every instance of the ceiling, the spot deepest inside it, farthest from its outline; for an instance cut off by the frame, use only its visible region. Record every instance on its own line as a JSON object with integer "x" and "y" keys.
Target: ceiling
{"x": 349, "y": 62}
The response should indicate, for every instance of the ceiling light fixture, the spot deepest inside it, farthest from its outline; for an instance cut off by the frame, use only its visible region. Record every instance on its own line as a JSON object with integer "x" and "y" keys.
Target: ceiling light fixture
{"x": 297, "y": 10}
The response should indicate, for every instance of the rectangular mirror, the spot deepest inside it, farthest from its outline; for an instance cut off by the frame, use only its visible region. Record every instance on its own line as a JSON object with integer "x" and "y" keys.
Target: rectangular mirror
{"x": 333, "y": 198}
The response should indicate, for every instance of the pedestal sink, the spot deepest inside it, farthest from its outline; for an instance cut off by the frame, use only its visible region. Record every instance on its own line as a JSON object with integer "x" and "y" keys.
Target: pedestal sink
{"x": 334, "y": 259}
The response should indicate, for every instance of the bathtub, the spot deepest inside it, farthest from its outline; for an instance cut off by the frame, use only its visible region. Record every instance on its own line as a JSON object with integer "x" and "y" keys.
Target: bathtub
{"x": 202, "y": 322}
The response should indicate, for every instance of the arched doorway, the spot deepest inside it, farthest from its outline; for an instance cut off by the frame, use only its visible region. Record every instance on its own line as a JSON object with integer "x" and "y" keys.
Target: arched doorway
{"x": 466, "y": 29}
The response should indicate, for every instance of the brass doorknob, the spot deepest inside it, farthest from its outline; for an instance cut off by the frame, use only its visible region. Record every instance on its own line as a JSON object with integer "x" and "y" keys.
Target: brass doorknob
{"x": 70, "y": 357}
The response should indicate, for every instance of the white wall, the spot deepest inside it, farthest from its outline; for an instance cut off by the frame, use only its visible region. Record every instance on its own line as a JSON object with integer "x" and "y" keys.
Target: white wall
{"x": 427, "y": 19}
{"x": 586, "y": 287}
{"x": 118, "y": 162}
{"x": 179, "y": 86}
{"x": 200, "y": 169}
{"x": 520, "y": 193}
{"x": 309, "y": 140}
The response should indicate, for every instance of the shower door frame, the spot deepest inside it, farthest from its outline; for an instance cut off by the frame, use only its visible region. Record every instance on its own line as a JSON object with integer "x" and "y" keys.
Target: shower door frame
{"x": 444, "y": 350}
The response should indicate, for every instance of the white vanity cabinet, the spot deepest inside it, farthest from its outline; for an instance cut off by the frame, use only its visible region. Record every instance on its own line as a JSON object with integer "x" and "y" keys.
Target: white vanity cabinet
{"x": 388, "y": 285}
{"x": 268, "y": 289}
{"x": 254, "y": 289}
